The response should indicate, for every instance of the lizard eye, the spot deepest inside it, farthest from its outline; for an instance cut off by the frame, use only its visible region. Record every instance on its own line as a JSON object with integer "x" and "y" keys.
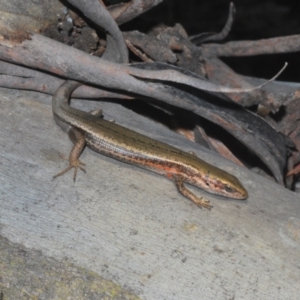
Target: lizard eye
{"x": 229, "y": 189}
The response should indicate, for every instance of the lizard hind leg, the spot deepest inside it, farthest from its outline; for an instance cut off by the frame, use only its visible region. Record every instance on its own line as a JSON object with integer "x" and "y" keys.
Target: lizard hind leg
{"x": 78, "y": 139}
{"x": 199, "y": 201}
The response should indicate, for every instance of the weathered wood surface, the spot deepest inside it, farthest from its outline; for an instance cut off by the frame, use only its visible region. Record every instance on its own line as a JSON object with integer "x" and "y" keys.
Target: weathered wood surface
{"x": 132, "y": 227}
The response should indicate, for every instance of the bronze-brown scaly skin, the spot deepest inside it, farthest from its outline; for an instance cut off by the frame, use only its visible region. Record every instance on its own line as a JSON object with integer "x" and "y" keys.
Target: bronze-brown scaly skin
{"x": 129, "y": 146}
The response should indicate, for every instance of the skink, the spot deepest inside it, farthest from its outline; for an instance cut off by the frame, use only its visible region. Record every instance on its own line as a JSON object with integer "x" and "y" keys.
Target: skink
{"x": 131, "y": 147}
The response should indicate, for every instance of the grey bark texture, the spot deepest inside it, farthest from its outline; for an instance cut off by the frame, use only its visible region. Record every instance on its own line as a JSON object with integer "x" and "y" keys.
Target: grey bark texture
{"x": 131, "y": 227}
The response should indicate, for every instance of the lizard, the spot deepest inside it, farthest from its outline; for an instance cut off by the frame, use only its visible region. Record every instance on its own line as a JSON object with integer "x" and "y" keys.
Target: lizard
{"x": 126, "y": 145}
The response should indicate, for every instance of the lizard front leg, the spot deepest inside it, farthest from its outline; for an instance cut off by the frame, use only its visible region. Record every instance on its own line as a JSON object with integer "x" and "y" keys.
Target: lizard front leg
{"x": 78, "y": 139}
{"x": 188, "y": 194}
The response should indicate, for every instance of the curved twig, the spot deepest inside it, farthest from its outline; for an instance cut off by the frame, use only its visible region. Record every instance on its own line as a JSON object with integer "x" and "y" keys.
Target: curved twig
{"x": 201, "y": 38}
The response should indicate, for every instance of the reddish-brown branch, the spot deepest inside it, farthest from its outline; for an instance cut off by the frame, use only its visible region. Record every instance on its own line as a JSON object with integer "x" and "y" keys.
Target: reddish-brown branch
{"x": 46, "y": 54}
{"x": 284, "y": 44}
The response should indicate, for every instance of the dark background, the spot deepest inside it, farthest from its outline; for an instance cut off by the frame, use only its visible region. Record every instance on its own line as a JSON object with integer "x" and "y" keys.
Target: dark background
{"x": 255, "y": 19}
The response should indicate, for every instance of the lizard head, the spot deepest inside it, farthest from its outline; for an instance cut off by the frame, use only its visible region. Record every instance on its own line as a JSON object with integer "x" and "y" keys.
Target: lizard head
{"x": 228, "y": 186}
